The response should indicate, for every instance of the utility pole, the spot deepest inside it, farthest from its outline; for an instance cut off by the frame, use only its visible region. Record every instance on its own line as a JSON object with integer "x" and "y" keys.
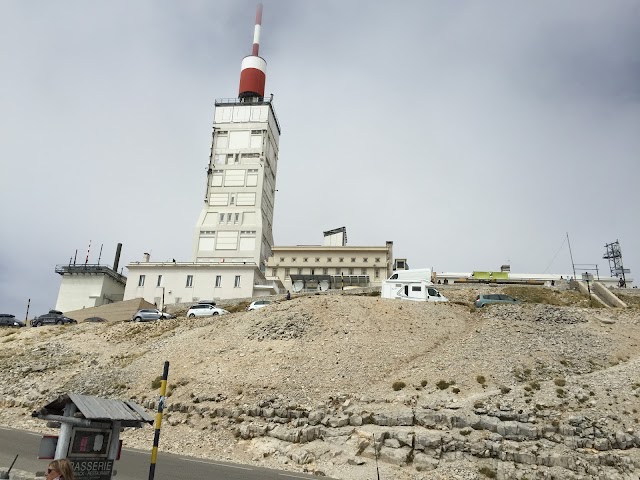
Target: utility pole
{"x": 573, "y": 266}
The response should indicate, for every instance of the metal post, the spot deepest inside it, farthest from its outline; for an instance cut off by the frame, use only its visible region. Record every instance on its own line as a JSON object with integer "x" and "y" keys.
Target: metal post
{"x": 100, "y": 254}
{"x": 114, "y": 446}
{"x": 571, "y": 255}
{"x": 585, "y": 277}
{"x": 64, "y": 439}
{"x": 26, "y": 317}
{"x": 375, "y": 451}
{"x": 156, "y": 437}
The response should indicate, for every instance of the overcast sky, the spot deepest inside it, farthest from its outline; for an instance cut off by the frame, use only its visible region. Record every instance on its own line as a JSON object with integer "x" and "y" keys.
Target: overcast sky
{"x": 471, "y": 134}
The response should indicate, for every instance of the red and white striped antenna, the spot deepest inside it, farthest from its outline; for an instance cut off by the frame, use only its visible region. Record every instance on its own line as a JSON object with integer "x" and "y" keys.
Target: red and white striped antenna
{"x": 86, "y": 260}
{"x": 256, "y": 31}
{"x": 253, "y": 73}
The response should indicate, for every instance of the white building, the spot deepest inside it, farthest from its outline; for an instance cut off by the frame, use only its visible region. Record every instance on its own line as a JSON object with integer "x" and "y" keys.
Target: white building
{"x": 89, "y": 285}
{"x": 332, "y": 265}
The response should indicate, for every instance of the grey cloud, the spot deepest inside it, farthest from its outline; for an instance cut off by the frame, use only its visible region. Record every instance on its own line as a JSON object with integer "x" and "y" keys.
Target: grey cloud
{"x": 470, "y": 134}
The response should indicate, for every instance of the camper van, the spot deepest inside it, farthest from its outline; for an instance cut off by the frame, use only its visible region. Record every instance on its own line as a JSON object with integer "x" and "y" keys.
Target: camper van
{"x": 412, "y": 275}
{"x": 416, "y": 290}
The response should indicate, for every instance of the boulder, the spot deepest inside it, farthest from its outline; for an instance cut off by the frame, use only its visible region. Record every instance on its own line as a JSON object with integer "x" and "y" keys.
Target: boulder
{"x": 423, "y": 462}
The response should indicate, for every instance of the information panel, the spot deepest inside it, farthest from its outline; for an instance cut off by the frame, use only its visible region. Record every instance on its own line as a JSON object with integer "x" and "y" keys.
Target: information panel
{"x": 89, "y": 442}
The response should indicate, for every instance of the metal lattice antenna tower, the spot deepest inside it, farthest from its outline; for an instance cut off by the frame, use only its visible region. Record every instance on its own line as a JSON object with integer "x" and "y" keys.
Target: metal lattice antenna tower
{"x": 614, "y": 255}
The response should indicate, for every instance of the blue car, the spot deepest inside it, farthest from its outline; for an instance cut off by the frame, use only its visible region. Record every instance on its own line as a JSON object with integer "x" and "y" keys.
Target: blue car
{"x": 482, "y": 300}
{"x": 7, "y": 320}
{"x": 54, "y": 317}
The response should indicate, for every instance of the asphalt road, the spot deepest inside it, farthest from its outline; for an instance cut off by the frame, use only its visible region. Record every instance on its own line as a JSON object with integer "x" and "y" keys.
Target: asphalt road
{"x": 134, "y": 464}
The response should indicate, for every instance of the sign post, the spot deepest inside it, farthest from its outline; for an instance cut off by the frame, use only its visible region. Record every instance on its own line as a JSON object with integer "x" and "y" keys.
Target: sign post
{"x": 587, "y": 277}
{"x": 89, "y": 432}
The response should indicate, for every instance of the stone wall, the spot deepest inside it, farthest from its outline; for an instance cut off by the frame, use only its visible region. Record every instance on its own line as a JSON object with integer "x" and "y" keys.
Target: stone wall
{"x": 422, "y": 437}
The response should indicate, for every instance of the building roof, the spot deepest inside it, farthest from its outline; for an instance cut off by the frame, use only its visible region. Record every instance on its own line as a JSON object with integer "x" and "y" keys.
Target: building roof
{"x": 95, "y": 408}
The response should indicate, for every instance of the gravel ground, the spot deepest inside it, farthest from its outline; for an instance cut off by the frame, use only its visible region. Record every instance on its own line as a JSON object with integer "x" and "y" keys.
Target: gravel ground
{"x": 332, "y": 350}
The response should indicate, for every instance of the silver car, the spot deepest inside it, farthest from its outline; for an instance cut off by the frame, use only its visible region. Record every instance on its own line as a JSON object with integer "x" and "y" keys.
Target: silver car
{"x": 149, "y": 314}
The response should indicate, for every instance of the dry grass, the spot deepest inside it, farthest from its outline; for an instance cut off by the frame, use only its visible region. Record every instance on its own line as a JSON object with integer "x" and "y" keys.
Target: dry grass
{"x": 548, "y": 296}
{"x": 240, "y": 307}
{"x": 630, "y": 300}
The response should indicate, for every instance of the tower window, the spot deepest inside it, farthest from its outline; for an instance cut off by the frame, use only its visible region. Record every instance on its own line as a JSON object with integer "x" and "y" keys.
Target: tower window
{"x": 218, "y": 280}
{"x": 305, "y": 259}
{"x": 189, "y": 281}
{"x": 353, "y": 260}
{"x": 377, "y": 259}
{"x": 236, "y": 283}
{"x": 159, "y": 284}
{"x": 365, "y": 260}
{"x": 141, "y": 281}
{"x": 341, "y": 259}
{"x": 317, "y": 259}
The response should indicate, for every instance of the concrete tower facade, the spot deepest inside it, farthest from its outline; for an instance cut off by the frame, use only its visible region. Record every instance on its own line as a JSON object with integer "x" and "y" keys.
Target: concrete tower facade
{"x": 235, "y": 224}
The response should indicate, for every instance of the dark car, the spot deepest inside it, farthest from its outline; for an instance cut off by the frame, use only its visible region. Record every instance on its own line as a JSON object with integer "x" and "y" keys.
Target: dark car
{"x": 486, "y": 299}
{"x": 54, "y": 317}
{"x": 8, "y": 320}
{"x": 95, "y": 319}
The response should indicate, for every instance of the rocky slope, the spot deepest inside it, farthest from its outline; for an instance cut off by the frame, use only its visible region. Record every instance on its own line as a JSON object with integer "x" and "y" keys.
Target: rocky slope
{"x": 324, "y": 383}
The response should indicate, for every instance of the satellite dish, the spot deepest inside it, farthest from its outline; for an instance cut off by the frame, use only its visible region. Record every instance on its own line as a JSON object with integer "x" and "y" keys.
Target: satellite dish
{"x": 323, "y": 285}
{"x": 298, "y": 285}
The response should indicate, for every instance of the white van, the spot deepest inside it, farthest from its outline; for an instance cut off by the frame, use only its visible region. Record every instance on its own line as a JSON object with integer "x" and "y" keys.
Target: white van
{"x": 412, "y": 275}
{"x": 418, "y": 291}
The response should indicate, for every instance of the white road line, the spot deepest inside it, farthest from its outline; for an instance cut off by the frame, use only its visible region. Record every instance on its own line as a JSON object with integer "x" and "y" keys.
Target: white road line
{"x": 214, "y": 463}
{"x": 292, "y": 476}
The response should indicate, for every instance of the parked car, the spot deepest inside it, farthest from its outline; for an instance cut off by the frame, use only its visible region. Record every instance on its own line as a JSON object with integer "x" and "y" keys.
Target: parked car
{"x": 8, "y": 320}
{"x": 207, "y": 302}
{"x": 258, "y": 304}
{"x": 205, "y": 310}
{"x": 95, "y": 319}
{"x": 485, "y": 299}
{"x": 150, "y": 314}
{"x": 54, "y": 317}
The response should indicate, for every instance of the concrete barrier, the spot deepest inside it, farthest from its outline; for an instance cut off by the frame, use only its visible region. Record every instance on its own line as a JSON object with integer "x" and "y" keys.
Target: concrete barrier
{"x": 607, "y": 295}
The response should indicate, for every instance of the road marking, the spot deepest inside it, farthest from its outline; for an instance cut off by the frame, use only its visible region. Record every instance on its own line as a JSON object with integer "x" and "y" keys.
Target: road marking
{"x": 23, "y": 431}
{"x": 214, "y": 463}
{"x": 292, "y": 476}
